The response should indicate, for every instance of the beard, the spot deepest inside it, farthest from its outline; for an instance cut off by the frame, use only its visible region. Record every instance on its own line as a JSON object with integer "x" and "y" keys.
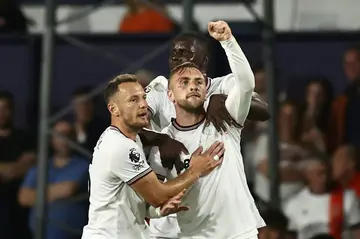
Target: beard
{"x": 191, "y": 107}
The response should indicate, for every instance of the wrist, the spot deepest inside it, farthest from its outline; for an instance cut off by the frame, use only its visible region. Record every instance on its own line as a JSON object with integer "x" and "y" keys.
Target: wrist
{"x": 228, "y": 41}
{"x": 193, "y": 173}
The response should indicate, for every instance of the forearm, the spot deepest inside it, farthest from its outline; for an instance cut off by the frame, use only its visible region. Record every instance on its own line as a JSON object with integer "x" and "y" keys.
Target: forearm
{"x": 239, "y": 97}
{"x": 239, "y": 65}
{"x": 27, "y": 197}
{"x": 173, "y": 187}
{"x": 150, "y": 137}
{"x": 62, "y": 190}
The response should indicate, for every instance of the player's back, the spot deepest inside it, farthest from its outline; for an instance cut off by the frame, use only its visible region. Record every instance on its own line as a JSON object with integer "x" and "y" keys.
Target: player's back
{"x": 115, "y": 211}
{"x": 221, "y": 205}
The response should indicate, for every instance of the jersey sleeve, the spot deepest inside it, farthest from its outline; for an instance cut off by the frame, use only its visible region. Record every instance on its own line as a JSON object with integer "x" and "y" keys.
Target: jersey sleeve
{"x": 30, "y": 179}
{"x": 240, "y": 87}
{"x": 129, "y": 163}
{"x": 154, "y": 94}
{"x": 155, "y": 163}
{"x": 352, "y": 211}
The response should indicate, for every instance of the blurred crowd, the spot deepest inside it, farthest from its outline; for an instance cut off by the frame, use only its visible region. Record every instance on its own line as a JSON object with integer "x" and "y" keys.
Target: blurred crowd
{"x": 141, "y": 17}
{"x": 318, "y": 162}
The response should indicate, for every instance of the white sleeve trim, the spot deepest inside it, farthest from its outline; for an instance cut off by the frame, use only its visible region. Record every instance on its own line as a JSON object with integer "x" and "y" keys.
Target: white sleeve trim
{"x": 139, "y": 176}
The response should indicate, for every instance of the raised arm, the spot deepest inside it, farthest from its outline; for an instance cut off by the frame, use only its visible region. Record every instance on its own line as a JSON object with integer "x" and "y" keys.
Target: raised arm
{"x": 240, "y": 87}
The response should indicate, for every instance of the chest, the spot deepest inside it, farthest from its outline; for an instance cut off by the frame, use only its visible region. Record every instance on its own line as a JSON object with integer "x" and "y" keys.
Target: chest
{"x": 204, "y": 136}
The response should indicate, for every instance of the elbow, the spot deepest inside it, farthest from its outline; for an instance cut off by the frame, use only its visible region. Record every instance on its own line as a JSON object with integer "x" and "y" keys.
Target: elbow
{"x": 158, "y": 201}
{"x": 26, "y": 197}
{"x": 158, "y": 197}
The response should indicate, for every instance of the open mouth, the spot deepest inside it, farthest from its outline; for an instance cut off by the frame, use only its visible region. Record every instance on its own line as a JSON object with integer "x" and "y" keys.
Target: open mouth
{"x": 143, "y": 115}
{"x": 193, "y": 95}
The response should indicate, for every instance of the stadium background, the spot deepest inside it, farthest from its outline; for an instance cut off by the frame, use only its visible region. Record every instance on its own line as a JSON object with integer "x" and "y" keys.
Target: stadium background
{"x": 310, "y": 41}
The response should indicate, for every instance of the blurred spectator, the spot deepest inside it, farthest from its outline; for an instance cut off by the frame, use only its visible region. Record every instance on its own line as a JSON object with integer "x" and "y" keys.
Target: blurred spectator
{"x": 318, "y": 209}
{"x": 291, "y": 155}
{"x": 16, "y": 157}
{"x": 276, "y": 225}
{"x": 67, "y": 177}
{"x": 351, "y": 63}
{"x": 142, "y": 17}
{"x": 12, "y": 19}
{"x": 316, "y": 111}
{"x": 344, "y": 169}
{"x": 260, "y": 81}
{"x": 345, "y": 114}
{"x": 144, "y": 77}
{"x": 253, "y": 129}
{"x": 88, "y": 128}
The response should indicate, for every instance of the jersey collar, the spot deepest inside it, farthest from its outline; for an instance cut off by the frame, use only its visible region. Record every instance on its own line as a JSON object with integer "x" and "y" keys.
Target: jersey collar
{"x": 186, "y": 128}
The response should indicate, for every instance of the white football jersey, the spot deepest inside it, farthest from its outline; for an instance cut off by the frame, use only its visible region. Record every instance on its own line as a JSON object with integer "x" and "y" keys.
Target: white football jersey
{"x": 221, "y": 205}
{"x": 162, "y": 109}
{"x": 116, "y": 211}
{"x": 313, "y": 217}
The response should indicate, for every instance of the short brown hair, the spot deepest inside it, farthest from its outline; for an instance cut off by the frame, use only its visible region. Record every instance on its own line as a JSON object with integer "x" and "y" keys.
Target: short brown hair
{"x": 112, "y": 86}
{"x": 181, "y": 68}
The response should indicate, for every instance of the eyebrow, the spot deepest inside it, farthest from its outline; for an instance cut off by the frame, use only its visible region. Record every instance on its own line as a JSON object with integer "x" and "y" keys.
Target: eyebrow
{"x": 188, "y": 78}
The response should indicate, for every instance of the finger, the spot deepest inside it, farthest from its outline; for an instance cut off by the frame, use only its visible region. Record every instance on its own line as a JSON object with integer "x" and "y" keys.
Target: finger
{"x": 217, "y": 150}
{"x": 216, "y": 125}
{"x": 175, "y": 202}
{"x": 198, "y": 151}
{"x": 217, "y": 163}
{"x": 184, "y": 149}
{"x": 179, "y": 196}
{"x": 221, "y": 153}
{"x": 210, "y": 26}
{"x": 212, "y": 148}
{"x": 183, "y": 208}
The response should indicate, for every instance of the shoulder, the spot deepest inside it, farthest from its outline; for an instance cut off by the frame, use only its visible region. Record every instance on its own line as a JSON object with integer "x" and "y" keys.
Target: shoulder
{"x": 349, "y": 197}
{"x": 296, "y": 199}
{"x": 113, "y": 139}
{"x": 159, "y": 84}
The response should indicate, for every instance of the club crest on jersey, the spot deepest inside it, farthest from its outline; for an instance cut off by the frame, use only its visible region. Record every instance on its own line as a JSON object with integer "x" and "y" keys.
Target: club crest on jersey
{"x": 135, "y": 157}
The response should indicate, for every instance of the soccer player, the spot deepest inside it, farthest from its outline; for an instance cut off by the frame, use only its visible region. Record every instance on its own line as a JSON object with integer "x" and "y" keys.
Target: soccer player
{"x": 121, "y": 181}
{"x": 221, "y": 205}
{"x": 193, "y": 47}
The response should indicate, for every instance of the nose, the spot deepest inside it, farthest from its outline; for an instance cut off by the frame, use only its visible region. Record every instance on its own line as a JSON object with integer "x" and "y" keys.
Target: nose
{"x": 193, "y": 86}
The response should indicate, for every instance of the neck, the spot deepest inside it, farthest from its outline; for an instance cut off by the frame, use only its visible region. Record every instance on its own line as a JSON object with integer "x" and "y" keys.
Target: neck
{"x": 129, "y": 132}
{"x": 317, "y": 191}
{"x": 60, "y": 160}
{"x": 186, "y": 118}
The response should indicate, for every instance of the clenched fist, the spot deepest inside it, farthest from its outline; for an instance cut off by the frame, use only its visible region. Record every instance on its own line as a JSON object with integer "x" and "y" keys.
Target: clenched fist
{"x": 219, "y": 30}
